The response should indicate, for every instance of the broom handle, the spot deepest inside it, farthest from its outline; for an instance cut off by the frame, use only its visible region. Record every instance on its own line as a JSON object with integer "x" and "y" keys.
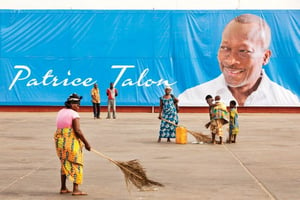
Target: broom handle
{"x": 174, "y": 124}
{"x": 189, "y": 131}
{"x": 104, "y": 156}
{"x": 108, "y": 158}
{"x": 163, "y": 119}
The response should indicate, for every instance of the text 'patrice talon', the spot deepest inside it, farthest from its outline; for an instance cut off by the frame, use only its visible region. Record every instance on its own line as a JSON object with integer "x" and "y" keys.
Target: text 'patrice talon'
{"x": 24, "y": 74}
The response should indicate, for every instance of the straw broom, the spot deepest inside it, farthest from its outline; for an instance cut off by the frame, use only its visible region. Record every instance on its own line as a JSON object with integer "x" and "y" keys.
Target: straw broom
{"x": 133, "y": 172}
{"x": 200, "y": 137}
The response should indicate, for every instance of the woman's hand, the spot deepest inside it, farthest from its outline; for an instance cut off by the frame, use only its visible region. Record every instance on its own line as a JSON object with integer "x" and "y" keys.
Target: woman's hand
{"x": 87, "y": 147}
{"x": 159, "y": 116}
{"x": 207, "y": 125}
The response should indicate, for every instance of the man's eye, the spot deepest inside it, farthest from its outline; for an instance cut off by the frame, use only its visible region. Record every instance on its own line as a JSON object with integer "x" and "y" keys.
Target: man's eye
{"x": 245, "y": 51}
{"x": 224, "y": 48}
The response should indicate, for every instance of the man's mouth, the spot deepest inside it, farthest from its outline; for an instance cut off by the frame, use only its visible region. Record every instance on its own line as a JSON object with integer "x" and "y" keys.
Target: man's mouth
{"x": 234, "y": 77}
{"x": 231, "y": 71}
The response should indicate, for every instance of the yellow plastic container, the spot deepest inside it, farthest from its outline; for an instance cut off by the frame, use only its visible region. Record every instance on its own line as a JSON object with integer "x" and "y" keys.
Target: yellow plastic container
{"x": 181, "y": 135}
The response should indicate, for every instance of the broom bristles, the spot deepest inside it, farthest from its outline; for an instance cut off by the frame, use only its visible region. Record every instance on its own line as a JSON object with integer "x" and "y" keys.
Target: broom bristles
{"x": 133, "y": 172}
{"x": 200, "y": 137}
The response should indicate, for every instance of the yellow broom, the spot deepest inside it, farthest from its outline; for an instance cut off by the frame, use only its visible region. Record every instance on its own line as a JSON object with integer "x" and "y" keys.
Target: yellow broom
{"x": 133, "y": 172}
{"x": 200, "y": 137}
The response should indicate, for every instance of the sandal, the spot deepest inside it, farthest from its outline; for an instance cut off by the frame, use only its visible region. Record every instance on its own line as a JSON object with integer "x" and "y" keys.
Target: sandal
{"x": 65, "y": 191}
{"x": 79, "y": 193}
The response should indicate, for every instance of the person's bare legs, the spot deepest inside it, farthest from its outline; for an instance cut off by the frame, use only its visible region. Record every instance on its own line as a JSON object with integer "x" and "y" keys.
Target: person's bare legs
{"x": 229, "y": 138}
{"x": 64, "y": 188}
{"x": 76, "y": 190}
{"x": 221, "y": 140}
{"x": 234, "y": 138}
{"x": 213, "y": 136}
{"x": 159, "y": 139}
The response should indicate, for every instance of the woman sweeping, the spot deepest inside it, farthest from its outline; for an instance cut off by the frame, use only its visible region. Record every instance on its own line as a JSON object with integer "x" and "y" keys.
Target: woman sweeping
{"x": 168, "y": 111}
{"x": 69, "y": 141}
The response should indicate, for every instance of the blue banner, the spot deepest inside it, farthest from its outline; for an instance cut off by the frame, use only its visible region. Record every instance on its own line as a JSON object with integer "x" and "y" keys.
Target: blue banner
{"x": 45, "y": 55}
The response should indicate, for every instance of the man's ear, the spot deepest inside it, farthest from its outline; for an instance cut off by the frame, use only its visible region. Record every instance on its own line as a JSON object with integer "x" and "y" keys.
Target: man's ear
{"x": 267, "y": 56}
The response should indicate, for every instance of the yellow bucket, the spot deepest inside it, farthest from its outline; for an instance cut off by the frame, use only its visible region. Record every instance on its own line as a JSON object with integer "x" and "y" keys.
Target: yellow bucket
{"x": 181, "y": 135}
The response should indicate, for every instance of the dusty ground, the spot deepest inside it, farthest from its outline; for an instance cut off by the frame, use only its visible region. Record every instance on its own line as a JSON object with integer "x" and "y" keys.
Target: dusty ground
{"x": 263, "y": 165}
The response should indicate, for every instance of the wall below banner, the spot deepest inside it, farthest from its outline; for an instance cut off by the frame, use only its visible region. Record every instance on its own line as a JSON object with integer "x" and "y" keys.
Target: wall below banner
{"x": 149, "y": 109}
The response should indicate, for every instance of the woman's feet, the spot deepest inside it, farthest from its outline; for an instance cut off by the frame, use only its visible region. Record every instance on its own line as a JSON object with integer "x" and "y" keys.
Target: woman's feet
{"x": 159, "y": 140}
{"x": 79, "y": 193}
{"x": 65, "y": 191}
{"x": 74, "y": 193}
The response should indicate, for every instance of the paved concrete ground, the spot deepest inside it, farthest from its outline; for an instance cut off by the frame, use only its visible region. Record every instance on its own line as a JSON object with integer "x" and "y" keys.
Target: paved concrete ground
{"x": 263, "y": 165}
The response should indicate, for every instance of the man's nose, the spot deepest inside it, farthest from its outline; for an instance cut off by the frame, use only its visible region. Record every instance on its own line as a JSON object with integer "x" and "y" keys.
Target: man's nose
{"x": 231, "y": 58}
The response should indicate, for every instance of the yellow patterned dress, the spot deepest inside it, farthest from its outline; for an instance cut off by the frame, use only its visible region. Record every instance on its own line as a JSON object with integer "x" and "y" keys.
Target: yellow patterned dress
{"x": 69, "y": 151}
{"x": 233, "y": 123}
{"x": 219, "y": 118}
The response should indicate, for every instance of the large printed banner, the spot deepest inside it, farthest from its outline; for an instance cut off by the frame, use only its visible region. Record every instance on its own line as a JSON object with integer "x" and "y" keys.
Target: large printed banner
{"x": 45, "y": 55}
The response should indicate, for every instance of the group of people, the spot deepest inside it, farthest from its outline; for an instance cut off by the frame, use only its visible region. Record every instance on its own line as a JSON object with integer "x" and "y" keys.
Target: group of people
{"x": 70, "y": 140}
{"x": 218, "y": 116}
{"x": 111, "y": 93}
{"x": 243, "y": 51}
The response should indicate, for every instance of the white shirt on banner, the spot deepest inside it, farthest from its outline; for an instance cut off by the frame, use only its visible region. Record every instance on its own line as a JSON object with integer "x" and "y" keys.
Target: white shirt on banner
{"x": 268, "y": 93}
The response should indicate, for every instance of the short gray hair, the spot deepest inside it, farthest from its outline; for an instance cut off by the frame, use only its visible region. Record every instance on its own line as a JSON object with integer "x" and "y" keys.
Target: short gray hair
{"x": 264, "y": 28}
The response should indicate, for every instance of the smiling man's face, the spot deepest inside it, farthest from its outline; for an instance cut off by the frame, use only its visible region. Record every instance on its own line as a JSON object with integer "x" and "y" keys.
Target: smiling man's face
{"x": 241, "y": 54}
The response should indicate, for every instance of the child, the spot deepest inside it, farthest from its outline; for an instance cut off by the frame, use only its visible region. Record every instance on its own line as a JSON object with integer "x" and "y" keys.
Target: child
{"x": 233, "y": 122}
{"x": 219, "y": 116}
{"x": 218, "y": 113}
{"x": 209, "y": 99}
